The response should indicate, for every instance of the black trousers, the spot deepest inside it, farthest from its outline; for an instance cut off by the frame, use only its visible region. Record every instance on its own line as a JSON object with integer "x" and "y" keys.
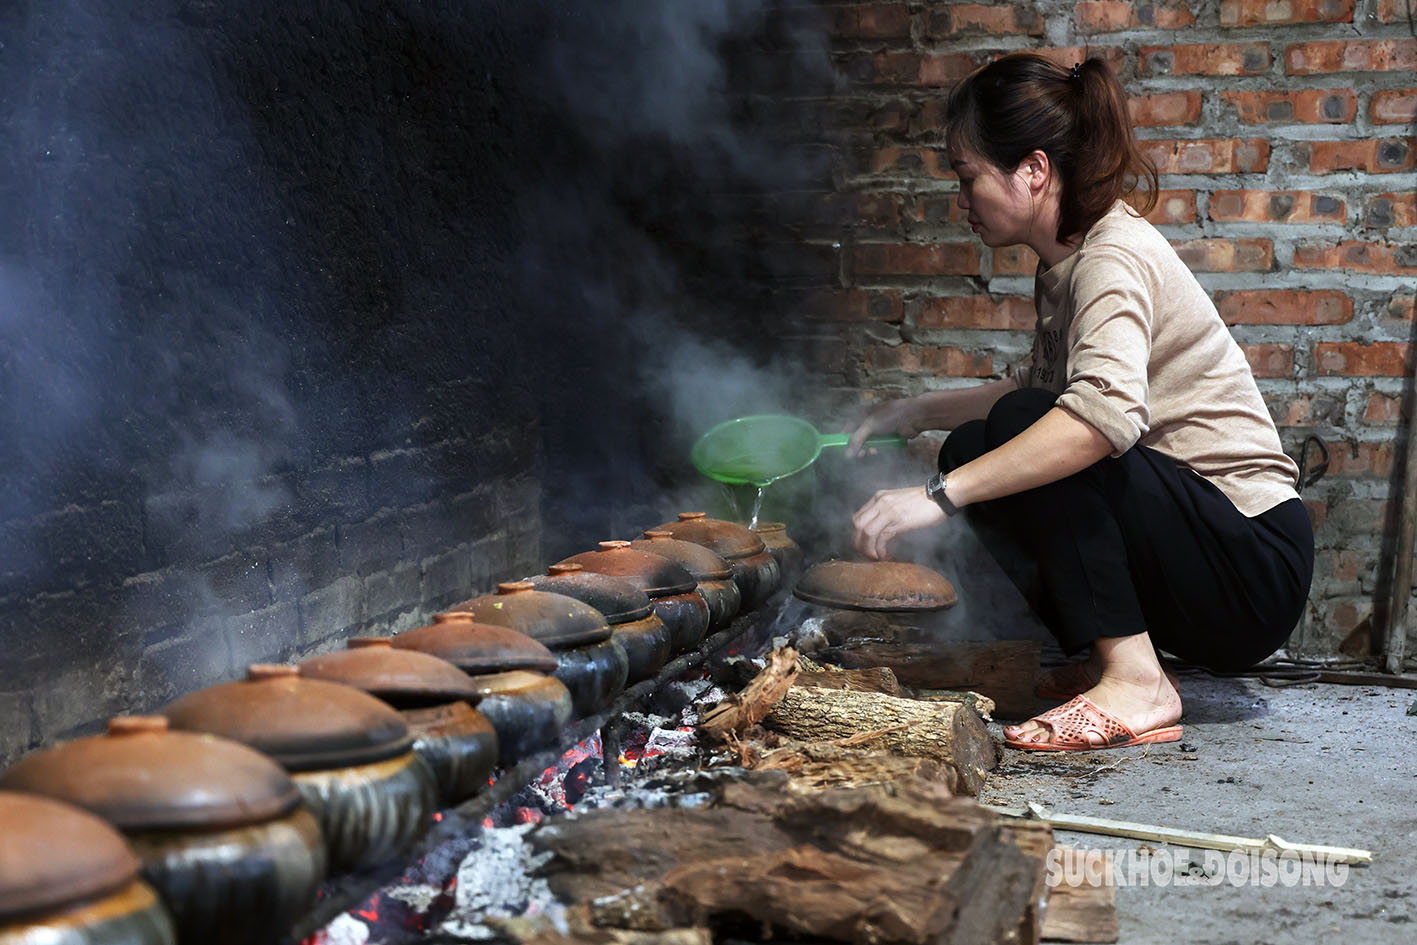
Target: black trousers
{"x": 1137, "y": 543}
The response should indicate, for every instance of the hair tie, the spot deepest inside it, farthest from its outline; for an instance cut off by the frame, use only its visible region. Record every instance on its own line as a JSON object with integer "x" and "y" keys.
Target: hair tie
{"x": 1077, "y": 71}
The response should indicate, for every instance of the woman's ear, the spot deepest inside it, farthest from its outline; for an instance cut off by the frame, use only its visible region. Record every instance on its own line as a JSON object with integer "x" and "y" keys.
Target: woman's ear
{"x": 1037, "y": 170}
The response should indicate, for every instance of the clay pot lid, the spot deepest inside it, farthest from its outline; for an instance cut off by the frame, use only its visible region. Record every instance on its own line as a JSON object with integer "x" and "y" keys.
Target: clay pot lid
{"x": 875, "y": 585}
{"x": 618, "y": 599}
{"x": 553, "y": 619}
{"x": 477, "y": 647}
{"x": 53, "y": 855}
{"x": 701, "y": 562}
{"x": 394, "y": 675}
{"x": 305, "y": 724}
{"x": 728, "y": 540}
{"x": 141, "y": 776}
{"x": 654, "y": 574}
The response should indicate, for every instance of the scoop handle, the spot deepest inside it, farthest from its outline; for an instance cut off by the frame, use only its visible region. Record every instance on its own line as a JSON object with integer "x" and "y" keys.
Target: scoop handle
{"x": 841, "y": 439}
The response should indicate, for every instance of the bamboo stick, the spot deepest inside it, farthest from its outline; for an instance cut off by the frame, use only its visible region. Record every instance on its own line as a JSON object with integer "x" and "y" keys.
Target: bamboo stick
{"x": 1186, "y": 838}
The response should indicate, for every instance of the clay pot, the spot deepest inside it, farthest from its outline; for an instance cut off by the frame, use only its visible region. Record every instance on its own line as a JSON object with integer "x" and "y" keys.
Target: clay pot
{"x": 671, "y": 589}
{"x": 528, "y": 710}
{"x": 784, "y": 550}
{"x": 592, "y": 664}
{"x": 68, "y": 878}
{"x": 220, "y": 828}
{"x": 754, "y": 570}
{"x": 627, "y": 609}
{"x": 457, "y": 743}
{"x": 349, "y": 754}
{"x": 713, "y": 574}
{"x": 477, "y": 648}
{"x": 876, "y": 586}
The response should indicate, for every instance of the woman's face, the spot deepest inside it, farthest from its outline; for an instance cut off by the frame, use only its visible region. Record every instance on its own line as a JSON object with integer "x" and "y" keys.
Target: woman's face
{"x": 1000, "y": 206}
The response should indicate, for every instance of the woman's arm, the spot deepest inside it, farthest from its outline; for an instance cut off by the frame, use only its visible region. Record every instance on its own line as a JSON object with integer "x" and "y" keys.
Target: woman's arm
{"x": 1053, "y": 448}
{"x": 936, "y": 410}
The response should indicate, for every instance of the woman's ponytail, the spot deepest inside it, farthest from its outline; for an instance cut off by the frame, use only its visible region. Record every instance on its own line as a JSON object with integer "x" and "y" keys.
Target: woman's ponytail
{"x": 1109, "y": 164}
{"x": 1022, "y": 103}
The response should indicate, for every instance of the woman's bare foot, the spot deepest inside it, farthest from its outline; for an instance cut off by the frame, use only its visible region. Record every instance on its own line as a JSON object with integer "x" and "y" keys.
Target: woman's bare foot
{"x": 1080, "y": 676}
{"x": 1131, "y": 686}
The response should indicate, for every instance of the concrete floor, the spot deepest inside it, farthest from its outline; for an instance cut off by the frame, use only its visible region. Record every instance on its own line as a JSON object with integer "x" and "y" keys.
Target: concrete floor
{"x": 1313, "y": 763}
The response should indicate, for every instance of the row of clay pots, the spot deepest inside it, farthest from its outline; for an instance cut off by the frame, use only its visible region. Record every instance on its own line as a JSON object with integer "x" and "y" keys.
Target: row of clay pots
{"x": 236, "y": 801}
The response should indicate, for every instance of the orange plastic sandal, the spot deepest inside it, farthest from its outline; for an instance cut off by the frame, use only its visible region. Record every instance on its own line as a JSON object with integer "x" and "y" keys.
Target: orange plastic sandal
{"x": 1071, "y": 723}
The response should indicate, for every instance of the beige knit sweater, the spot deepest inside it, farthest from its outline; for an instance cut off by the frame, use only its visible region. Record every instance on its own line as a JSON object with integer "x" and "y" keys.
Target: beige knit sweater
{"x": 1133, "y": 345}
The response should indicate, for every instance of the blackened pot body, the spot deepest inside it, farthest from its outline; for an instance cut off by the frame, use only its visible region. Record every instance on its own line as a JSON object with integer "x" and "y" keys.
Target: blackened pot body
{"x": 458, "y": 744}
{"x": 528, "y": 710}
{"x": 648, "y": 646}
{"x": 369, "y": 813}
{"x": 131, "y": 916}
{"x": 239, "y": 886}
{"x": 594, "y": 674}
{"x": 687, "y": 617}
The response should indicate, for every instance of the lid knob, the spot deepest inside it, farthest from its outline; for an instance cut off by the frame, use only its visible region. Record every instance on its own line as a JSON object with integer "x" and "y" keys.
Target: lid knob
{"x": 656, "y": 535}
{"x": 259, "y": 672}
{"x": 137, "y": 724}
{"x": 612, "y": 545}
{"x": 692, "y": 516}
{"x": 568, "y": 568}
{"x": 515, "y": 587}
{"x": 365, "y": 643}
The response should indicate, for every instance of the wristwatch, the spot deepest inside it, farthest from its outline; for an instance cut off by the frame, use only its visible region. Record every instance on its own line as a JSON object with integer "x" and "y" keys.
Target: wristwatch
{"x": 935, "y": 489}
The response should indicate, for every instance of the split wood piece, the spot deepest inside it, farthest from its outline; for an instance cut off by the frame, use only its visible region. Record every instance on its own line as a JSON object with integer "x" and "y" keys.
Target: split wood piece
{"x": 950, "y": 733}
{"x": 1082, "y": 913}
{"x": 867, "y": 679}
{"x": 820, "y": 765}
{"x": 1187, "y": 838}
{"x": 1004, "y": 670}
{"x": 1035, "y": 839}
{"x": 979, "y": 703}
{"x": 749, "y": 707}
{"x": 903, "y": 864}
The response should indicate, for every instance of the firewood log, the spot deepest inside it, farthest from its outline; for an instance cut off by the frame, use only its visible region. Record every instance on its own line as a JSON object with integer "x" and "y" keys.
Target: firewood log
{"x": 947, "y": 732}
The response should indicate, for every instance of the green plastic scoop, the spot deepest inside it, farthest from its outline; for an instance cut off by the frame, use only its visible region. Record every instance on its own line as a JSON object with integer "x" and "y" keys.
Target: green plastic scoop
{"x": 764, "y": 448}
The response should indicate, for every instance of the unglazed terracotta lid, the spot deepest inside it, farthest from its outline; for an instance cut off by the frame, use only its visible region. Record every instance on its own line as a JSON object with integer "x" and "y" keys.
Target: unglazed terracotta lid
{"x": 618, "y": 599}
{"x": 478, "y": 647}
{"x": 654, "y": 574}
{"x": 728, "y": 540}
{"x": 141, "y": 776}
{"x": 373, "y": 665}
{"x": 875, "y": 585}
{"x": 305, "y": 724}
{"x": 701, "y": 562}
{"x": 53, "y": 855}
{"x": 553, "y": 619}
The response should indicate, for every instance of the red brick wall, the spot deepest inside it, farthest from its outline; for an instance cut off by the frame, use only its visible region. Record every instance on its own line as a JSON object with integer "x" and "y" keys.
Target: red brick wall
{"x": 1287, "y": 161}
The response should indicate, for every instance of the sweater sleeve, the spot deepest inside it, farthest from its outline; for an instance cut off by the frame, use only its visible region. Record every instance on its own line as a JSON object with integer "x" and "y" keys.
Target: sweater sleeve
{"x": 1109, "y": 346}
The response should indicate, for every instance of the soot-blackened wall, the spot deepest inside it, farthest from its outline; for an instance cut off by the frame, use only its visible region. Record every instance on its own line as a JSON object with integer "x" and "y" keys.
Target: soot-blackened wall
{"x": 314, "y": 314}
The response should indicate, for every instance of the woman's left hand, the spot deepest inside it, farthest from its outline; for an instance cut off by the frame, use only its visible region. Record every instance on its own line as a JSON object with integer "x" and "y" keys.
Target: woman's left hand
{"x": 889, "y": 514}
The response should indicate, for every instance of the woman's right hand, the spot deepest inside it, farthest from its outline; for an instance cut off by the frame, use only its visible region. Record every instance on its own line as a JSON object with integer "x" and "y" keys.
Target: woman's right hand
{"x": 894, "y": 416}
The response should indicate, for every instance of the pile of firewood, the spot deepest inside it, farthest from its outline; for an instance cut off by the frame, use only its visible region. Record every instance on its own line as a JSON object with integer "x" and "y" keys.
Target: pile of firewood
{"x": 844, "y": 817}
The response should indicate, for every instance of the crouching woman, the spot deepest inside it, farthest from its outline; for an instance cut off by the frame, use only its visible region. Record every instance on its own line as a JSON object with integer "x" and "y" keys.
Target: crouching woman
{"x": 1128, "y": 473}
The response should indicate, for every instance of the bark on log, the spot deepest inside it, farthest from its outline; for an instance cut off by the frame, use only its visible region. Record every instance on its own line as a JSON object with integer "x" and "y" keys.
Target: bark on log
{"x": 947, "y": 732}
{"x": 903, "y": 864}
{"x": 819, "y": 765}
{"x": 872, "y": 679}
{"x": 1004, "y": 670}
